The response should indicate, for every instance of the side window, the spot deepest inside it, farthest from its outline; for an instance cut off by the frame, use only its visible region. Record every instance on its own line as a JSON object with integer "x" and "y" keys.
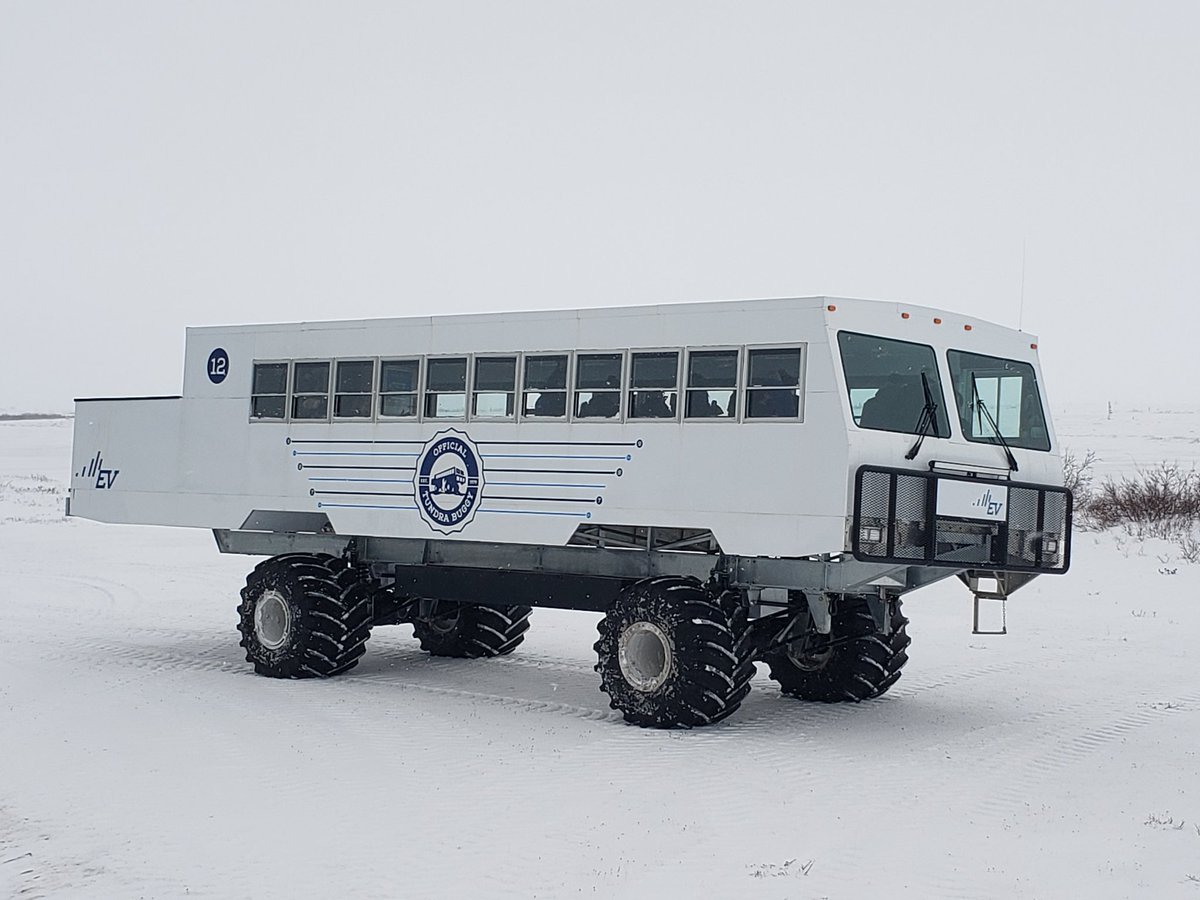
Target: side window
{"x": 446, "y": 388}
{"x": 773, "y": 385}
{"x": 495, "y": 387}
{"x": 268, "y": 391}
{"x": 598, "y": 386}
{"x": 545, "y": 393}
{"x": 353, "y": 391}
{"x": 310, "y": 390}
{"x": 398, "y": 388}
{"x": 654, "y": 385}
{"x": 712, "y": 384}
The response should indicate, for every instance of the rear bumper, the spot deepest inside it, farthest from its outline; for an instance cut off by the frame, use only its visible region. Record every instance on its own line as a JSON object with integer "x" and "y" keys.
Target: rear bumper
{"x": 923, "y": 518}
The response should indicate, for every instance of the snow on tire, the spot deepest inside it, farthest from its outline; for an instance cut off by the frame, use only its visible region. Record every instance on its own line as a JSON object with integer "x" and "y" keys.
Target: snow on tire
{"x": 305, "y": 616}
{"x": 471, "y": 631}
{"x": 854, "y": 663}
{"x": 668, "y": 655}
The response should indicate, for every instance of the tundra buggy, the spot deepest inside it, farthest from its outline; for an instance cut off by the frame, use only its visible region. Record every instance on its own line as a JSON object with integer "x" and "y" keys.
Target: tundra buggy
{"x": 726, "y": 483}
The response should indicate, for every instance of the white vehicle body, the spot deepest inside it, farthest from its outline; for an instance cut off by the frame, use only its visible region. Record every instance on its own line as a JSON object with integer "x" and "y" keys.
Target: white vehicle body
{"x": 726, "y": 482}
{"x": 763, "y": 487}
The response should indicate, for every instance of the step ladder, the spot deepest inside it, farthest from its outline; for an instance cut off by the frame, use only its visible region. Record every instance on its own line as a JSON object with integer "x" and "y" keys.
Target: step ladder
{"x": 988, "y": 588}
{"x": 993, "y": 587}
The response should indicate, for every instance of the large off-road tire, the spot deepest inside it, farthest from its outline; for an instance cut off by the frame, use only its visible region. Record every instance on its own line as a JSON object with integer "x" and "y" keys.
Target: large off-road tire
{"x": 471, "y": 631}
{"x": 669, "y": 655}
{"x": 854, "y": 662}
{"x": 305, "y": 616}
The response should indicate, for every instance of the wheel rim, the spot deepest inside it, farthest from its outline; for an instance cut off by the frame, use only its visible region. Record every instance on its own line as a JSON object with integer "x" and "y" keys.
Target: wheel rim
{"x": 444, "y": 617}
{"x": 808, "y": 658}
{"x": 645, "y": 656}
{"x": 272, "y": 620}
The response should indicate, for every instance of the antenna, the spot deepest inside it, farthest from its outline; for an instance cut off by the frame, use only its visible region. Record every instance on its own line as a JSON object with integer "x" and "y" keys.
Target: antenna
{"x": 1021, "y": 309}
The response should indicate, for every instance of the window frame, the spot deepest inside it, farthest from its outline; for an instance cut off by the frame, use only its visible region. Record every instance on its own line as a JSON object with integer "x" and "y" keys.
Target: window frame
{"x": 567, "y": 389}
{"x": 425, "y": 361}
{"x": 620, "y": 390}
{"x": 380, "y": 393}
{"x": 293, "y": 395}
{"x": 739, "y": 351}
{"x": 629, "y": 388}
{"x": 287, "y": 392}
{"x": 801, "y": 386}
{"x": 335, "y": 393}
{"x": 472, "y": 373}
{"x": 625, "y": 357}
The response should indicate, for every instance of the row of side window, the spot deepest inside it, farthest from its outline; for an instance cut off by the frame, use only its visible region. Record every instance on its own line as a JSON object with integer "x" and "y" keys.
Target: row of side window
{"x": 724, "y": 383}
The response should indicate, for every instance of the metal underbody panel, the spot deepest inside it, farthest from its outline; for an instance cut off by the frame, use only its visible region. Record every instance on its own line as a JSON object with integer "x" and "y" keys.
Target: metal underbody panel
{"x": 586, "y": 578}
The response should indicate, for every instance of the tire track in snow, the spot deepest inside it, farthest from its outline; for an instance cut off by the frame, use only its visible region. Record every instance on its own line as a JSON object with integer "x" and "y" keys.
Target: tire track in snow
{"x": 1029, "y": 765}
{"x": 797, "y": 741}
{"x": 386, "y": 665}
{"x": 221, "y": 654}
{"x": 817, "y": 728}
{"x": 911, "y": 685}
{"x": 41, "y": 583}
{"x": 1033, "y": 762}
{"x": 593, "y": 714}
{"x": 388, "y": 649}
{"x": 800, "y": 753}
{"x": 1078, "y": 731}
{"x": 189, "y": 654}
{"x": 545, "y": 663}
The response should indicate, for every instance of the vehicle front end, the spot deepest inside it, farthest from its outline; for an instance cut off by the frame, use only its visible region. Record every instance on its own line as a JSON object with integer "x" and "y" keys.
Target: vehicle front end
{"x": 954, "y": 460}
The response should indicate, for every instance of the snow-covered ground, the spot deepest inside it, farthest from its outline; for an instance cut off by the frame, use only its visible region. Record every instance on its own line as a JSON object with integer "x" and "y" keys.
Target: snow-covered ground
{"x": 140, "y": 757}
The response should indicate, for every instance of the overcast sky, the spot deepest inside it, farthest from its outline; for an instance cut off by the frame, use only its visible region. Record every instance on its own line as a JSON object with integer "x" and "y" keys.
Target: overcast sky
{"x": 174, "y": 164}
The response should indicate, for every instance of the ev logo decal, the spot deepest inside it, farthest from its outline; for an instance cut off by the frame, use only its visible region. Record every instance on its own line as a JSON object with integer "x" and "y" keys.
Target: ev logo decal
{"x": 972, "y": 500}
{"x": 990, "y": 505}
{"x": 105, "y": 478}
{"x": 449, "y": 481}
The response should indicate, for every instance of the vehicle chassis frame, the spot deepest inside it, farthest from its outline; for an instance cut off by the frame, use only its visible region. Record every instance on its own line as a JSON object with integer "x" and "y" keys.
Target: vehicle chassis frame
{"x": 591, "y": 578}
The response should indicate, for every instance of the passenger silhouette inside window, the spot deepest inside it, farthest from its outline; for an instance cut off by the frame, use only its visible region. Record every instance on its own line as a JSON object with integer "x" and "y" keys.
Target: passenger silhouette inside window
{"x": 550, "y": 404}
{"x": 895, "y": 407}
{"x": 602, "y": 404}
{"x": 598, "y": 385}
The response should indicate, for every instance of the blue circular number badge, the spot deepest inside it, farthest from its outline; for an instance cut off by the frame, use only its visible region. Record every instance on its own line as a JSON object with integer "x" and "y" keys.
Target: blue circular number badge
{"x": 218, "y": 366}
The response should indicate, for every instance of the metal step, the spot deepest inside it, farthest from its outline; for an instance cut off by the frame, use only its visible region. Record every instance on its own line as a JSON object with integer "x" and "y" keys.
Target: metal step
{"x": 988, "y": 588}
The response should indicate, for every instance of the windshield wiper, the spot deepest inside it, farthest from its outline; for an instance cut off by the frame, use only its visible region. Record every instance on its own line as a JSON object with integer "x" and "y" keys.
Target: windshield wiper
{"x": 928, "y": 418}
{"x": 979, "y": 404}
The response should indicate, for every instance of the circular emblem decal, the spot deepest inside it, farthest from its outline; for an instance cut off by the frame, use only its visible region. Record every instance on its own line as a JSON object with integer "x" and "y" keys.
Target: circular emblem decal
{"x": 449, "y": 481}
{"x": 218, "y": 365}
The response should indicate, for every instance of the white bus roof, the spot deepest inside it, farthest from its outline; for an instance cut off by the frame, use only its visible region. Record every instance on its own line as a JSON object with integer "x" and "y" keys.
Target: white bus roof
{"x": 857, "y": 309}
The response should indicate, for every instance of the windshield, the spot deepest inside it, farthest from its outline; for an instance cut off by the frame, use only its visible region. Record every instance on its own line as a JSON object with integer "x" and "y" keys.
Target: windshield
{"x": 998, "y": 394}
{"x": 891, "y": 383}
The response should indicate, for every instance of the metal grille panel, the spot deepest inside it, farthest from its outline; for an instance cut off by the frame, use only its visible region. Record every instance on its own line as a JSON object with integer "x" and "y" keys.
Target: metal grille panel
{"x": 912, "y": 503}
{"x": 895, "y": 521}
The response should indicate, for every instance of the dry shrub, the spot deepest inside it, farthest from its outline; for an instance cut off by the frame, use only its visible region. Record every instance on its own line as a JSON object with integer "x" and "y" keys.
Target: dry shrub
{"x": 1162, "y": 502}
{"x": 1077, "y": 475}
